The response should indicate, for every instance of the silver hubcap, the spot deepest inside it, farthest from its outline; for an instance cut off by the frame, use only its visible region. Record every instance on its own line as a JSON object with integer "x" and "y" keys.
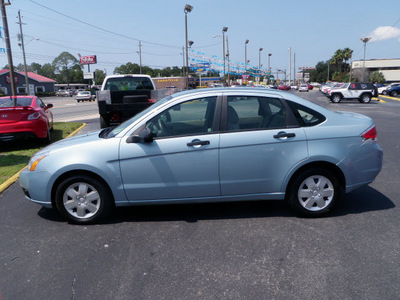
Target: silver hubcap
{"x": 315, "y": 193}
{"x": 81, "y": 200}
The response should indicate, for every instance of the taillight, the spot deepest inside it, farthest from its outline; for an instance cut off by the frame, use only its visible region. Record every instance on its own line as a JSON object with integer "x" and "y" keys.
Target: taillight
{"x": 151, "y": 100}
{"x": 34, "y": 116}
{"x": 370, "y": 134}
{"x": 115, "y": 118}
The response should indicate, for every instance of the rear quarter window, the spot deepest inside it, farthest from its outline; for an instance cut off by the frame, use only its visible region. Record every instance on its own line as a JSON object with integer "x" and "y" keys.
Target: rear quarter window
{"x": 305, "y": 116}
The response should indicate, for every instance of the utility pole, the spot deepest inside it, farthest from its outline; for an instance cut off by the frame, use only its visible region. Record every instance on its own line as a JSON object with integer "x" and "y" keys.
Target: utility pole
{"x": 294, "y": 68}
{"x": 8, "y": 47}
{"x": 23, "y": 53}
{"x": 290, "y": 64}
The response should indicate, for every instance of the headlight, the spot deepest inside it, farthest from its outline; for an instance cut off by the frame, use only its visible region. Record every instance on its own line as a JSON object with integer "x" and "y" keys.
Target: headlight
{"x": 35, "y": 161}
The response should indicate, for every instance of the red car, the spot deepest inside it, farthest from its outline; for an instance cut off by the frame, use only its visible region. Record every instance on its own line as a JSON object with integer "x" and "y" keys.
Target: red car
{"x": 310, "y": 87}
{"x": 283, "y": 87}
{"x": 24, "y": 117}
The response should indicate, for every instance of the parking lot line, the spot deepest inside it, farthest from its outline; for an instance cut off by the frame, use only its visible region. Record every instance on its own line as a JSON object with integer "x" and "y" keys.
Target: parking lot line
{"x": 392, "y": 98}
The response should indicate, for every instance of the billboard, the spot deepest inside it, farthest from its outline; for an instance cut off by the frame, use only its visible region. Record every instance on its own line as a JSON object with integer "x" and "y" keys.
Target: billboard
{"x": 87, "y": 60}
{"x": 200, "y": 67}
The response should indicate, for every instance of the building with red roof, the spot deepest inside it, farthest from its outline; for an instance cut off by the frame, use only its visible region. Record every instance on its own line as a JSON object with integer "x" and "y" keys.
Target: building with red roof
{"x": 38, "y": 83}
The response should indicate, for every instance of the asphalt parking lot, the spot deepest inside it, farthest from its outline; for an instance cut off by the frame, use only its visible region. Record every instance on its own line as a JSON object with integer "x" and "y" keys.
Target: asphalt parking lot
{"x": 254, "y": 250}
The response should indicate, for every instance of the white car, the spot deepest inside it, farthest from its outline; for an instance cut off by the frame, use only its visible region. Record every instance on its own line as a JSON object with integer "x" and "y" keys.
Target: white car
{"x": 84, "y": 96}
{"x": 303, "y": 88}
{"x": 383, "y": 90}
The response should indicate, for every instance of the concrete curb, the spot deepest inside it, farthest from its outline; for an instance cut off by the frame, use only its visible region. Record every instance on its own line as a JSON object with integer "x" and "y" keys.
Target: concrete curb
{"x": 15, "y": 177}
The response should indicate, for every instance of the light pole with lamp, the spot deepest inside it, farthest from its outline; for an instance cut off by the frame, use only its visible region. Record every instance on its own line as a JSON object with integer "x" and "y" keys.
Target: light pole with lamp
{"x": 245, "y": 55}
{"x": 188, "y": 9}
{"x": 365, "y": 41}
{"x": 224, "y": 29}
{"x": 259, "y": 63}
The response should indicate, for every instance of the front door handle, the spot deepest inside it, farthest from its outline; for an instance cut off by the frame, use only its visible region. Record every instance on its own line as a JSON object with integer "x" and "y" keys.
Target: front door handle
{"x": 283, "y": 134}
{"x": 198, "y": 143}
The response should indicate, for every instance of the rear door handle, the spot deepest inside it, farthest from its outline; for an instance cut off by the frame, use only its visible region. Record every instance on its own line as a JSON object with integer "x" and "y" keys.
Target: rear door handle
{"x": 283, "y": 134}
{"x": 198, "y": 143}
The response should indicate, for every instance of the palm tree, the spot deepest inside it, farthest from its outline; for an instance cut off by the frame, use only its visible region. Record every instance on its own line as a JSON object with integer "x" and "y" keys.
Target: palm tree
{"x": 338, "y": 58}
{"x": 347, "y": 54}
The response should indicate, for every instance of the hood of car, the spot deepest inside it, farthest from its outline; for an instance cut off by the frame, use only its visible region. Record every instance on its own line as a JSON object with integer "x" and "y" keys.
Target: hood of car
{"x": 74, "y": 141}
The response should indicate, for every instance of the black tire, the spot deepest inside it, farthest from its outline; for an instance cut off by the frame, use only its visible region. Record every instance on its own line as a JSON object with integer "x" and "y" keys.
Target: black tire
{"x": 384, "y": 92}
{"x": 314, "y": 192}
{"x": 335, "y": 98}
{"x": 394, "y": 94}
{"x": 365, "y": 98}
{"x": 103, "y": 123}
{"x": 92, "y": 203}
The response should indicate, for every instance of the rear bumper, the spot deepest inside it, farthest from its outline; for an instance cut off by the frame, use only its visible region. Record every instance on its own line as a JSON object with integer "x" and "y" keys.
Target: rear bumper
{"x": 23, "y": 129}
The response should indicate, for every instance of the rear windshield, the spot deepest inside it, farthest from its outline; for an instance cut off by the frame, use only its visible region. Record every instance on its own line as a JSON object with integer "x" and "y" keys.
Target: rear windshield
{"x": 128, "y": 84}
{"x": 9, "y": 102}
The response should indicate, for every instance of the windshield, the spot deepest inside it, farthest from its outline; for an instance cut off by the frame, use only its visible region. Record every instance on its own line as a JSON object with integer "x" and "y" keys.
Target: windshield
{"x": 128, "y": 83}
{"x": 127, "y": 123}
{"x": 9, "y": 102}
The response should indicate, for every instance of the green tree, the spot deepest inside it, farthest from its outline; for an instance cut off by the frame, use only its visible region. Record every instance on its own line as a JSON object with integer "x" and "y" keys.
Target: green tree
{"x": 99, "y": 76}
{"x": 35, "y": 67}
{"x": 128, "y": 68}
{"x": 66, "y": 65}
{"x": 377, "y": 77}
{"x": 48, "y": 71}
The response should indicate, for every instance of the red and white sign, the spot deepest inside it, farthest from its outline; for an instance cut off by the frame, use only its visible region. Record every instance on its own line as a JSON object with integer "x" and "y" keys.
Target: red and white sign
{"x": 8, "y": 79}
{"x": 87, "y": 60}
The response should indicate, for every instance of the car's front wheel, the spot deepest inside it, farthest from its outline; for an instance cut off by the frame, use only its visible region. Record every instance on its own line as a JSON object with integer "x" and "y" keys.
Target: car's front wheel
{"x": 394, "y": 93}
{"x": 83, "y": 199}
{"x": 313, "y": 192}
{"x": 384, "y": 92}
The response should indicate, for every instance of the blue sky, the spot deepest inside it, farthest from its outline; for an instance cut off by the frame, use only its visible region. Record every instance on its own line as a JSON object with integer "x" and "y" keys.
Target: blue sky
{"x": 314, "y": 30}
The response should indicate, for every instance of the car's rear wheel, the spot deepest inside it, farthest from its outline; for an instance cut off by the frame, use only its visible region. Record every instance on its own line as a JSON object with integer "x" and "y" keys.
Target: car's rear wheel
{"x": 366, "y": 98}
{"x": 313, "y": 192}
{"x": 83, "y": 199}
{"x": 335, "y": 98}
{"x": 384, "y": 92}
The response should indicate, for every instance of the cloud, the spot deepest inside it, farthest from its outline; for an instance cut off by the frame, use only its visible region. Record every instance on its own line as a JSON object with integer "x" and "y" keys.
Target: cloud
{"x": 384, "y": 33}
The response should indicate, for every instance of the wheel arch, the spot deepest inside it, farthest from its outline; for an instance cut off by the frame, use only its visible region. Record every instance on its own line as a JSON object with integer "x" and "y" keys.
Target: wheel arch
{"x": 78, "y": 172}
{"x": 318, "y": 164}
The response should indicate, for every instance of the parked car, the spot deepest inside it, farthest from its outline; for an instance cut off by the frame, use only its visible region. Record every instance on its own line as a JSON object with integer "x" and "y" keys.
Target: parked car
{"x": 209, "y": 145}
{"x": 294, "y": 87}
{"x": 283, "y": 87}
{"x": 363, "y": 92}
{"x": 310, "y": 87}
{"x": 303, "y": 88}
{"x": 62, "y": 93}
{"x": 393, "y": 91}
{"x": 84, "y": 96}
{"x": 384, "y": 90}
{"x": 25, "y": 117}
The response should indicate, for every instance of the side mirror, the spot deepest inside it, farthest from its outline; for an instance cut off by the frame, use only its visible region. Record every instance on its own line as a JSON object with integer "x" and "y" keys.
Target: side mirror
{"x": 49, "y": 105}
{"x": 144, "y": 136}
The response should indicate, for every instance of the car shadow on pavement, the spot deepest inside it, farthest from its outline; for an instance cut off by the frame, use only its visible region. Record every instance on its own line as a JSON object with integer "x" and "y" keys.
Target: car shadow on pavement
{"x": 360, "y": 201}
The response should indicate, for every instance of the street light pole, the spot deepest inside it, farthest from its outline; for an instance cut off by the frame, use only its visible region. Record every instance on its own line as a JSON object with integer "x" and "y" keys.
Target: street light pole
{"x": 245, "y": 55}
{"x": 188, "y": 9}
{"x": 8, "y": 46}
{"x": 290, "y": 64}
{"x": 259, "y": 61}
{"x": 224, "y": 29}
{"x": 365, "y": 41}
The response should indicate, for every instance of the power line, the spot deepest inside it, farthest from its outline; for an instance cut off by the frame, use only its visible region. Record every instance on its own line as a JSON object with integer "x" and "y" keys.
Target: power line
{"x": 102, "y": 29}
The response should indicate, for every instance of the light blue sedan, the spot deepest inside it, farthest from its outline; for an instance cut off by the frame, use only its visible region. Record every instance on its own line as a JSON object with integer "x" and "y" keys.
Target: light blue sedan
{"x": 209, "y": 145}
